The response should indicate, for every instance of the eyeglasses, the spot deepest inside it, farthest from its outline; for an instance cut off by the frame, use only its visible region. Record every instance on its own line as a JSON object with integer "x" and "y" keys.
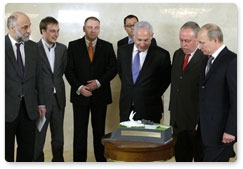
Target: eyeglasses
{"x": 130, "y": 26}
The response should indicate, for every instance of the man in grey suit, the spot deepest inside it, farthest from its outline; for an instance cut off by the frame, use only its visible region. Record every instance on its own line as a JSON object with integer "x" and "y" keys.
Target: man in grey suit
{"x": 184, "y": 95}
{"x": 23, "y": 92}
{"x": 53, "y": 58}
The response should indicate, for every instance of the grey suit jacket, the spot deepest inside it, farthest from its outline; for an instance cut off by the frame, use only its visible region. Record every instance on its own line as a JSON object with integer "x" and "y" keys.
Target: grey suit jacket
{"x": 29, "y": 86}
{"x": 54, "y": 79}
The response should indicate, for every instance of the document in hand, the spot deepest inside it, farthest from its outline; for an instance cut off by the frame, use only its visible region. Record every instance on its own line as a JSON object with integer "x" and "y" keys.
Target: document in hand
{"x": 40, "y": 122}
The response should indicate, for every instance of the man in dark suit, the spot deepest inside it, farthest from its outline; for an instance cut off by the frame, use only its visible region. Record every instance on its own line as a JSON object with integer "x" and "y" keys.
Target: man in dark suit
{"x": 23, "y": 92}
{"x": 218, "y": 95}
{"x": 184, "y": 95}
{"x": 54, "y": 59}
{"x": 90, "y": 68}
{"x": 143, "y": 95}
{"x": 129, "y": 22}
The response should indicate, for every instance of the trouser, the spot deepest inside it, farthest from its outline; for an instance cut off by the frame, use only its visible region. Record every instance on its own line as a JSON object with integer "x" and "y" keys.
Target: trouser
{"x": 54, "y": 117}
{"x": 24, "y": 130}
{"x": 81, "y": 119}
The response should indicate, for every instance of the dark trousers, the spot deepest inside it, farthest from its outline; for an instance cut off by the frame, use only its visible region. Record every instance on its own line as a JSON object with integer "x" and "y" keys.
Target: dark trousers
{"x": 54, "y": 117}
{"x": 188, "y": 147}
{"x": 81, "y": 120}
{"x": 24, "y": 130}
{"x": 219, "y": 153}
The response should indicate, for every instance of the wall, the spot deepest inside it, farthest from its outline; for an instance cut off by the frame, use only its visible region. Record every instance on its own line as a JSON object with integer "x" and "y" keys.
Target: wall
{"x": 166, "y": 19}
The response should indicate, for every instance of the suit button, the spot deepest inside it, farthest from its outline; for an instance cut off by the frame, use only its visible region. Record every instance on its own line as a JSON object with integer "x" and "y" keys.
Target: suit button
{"x": 203, "y": 87}
{"x": 181, "y": 77}
{"x": 178, "y": 90}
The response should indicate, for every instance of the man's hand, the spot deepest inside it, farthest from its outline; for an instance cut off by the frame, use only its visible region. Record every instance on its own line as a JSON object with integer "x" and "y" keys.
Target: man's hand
{"x": 228, "y": 138}
{"x": 92, "y": 85}
{"x": 86, "y": 91}
{"x": 42, "y": 110}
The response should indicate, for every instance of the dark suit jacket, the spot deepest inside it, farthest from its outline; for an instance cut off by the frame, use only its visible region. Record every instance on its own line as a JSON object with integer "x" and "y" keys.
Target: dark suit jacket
{"x": 153, "y": 80}
{"x": 124, "y": 41}
{"x": 51, "y": 80}
{"x": 184, "y": 94}
{"x": 79, "y": 70}
{"x": 29, "y": 85}
{"x": 218, "y": 99}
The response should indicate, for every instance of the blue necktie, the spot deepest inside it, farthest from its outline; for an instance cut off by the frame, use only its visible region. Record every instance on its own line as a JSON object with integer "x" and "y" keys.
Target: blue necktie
{"x": 20, "y": 61}
{"x": 136, "y": 67}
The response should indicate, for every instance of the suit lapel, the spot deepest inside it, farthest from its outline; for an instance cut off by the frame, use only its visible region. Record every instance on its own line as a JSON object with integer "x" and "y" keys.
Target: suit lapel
{"x": 10, "y": 54}
{"x": 129, "y": 61}
{"x": 43, "y": 54}
{"x": 98, "y": 49}
{"x": 216, "y": 63}
{"x": 145, "y": 64}
{"x": 193, "y": 61}
{"x": 28, "y": 60}
{"x": 57, "y": 56}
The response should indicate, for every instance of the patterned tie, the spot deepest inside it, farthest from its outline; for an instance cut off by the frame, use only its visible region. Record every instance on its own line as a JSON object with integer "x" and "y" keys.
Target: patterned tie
{"x": 91, "y": 52}
{"x": 136, "y": 67}
{"x": 209, "y": 64}
{"x": 185, "y": 62}
{"x": 20, "y": 61}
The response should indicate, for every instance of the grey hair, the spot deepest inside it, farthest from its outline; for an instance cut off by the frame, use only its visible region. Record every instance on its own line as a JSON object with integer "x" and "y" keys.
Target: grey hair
{"x": 143, "y": 24}
{"x": 193, "y": 26}
{"x": 11, "y": 21}
{"x": 214, "y": 31}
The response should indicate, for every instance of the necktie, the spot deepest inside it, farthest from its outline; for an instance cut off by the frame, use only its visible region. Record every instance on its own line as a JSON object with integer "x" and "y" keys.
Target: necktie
{"x": 20, "y": 61}
{"x": 91, "y": 52}
{"x": 209, "y": 64}
{"x": 136, "y": 66}
{"x": 185, "y": 61}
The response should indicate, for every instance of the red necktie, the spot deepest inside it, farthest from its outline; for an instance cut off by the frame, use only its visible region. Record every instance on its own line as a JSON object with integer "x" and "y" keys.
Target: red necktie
{"x": 185, "y": 61}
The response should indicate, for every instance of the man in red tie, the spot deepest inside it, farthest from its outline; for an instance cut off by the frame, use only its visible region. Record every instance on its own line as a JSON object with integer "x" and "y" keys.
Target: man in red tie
{"x": 185, "y": 77}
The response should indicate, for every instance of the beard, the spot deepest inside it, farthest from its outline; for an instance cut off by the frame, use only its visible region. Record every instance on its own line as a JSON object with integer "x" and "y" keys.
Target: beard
{"x": 20, "y": 37}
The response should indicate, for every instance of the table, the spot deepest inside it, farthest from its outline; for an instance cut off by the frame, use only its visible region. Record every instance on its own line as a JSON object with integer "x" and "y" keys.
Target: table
{"x": 137, "y": 151}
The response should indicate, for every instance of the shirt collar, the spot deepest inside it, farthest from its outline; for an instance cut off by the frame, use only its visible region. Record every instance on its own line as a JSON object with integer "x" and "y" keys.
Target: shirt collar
{"x": 93, "y": 42}
{"x": 46, "y": 45}
{"x": 135, "y": 49}
{"x": 216, "y": 53}
{"x": 13, "y": 41}
{"x": 130, "y": 40}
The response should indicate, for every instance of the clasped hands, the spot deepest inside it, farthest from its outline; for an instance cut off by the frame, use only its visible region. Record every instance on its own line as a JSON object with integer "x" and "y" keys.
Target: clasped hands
{"x": 86, "y": 90}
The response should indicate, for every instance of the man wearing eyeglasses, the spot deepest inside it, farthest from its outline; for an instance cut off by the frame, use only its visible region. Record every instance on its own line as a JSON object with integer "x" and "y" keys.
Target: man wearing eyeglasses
{"x": 129, "y": 22}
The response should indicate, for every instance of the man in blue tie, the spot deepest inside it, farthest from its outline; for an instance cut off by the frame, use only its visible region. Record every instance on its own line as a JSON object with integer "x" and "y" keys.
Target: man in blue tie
{"x": 152, "y": 68}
